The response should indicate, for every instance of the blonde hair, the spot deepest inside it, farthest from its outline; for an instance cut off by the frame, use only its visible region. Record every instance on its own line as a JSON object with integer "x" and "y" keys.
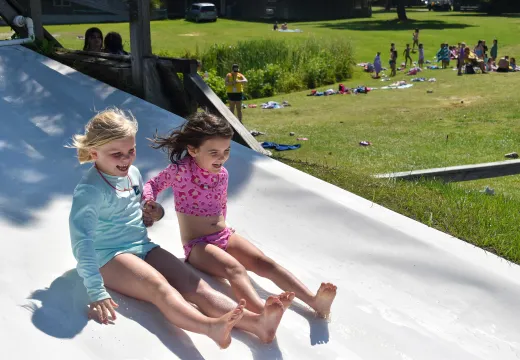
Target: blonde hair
{"x": 106, "y": 126}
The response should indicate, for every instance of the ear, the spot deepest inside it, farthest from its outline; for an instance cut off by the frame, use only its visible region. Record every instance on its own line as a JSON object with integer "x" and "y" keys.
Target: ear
{"x": 93, "y": 154}
{"x": 193, "y": 151}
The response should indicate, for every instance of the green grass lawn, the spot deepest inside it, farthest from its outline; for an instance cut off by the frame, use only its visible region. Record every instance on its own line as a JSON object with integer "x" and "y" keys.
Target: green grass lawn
{"x": 469, "y": 119}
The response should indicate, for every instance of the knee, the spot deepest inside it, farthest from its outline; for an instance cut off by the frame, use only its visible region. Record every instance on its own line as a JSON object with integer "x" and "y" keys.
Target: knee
{"x": 158, "y": 288}
{"x": 236, "y": 271}
{"x": 264, "y": 265}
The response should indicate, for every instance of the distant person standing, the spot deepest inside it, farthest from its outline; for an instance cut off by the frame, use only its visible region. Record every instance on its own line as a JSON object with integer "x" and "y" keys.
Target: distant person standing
{"x": 415, "y": 38}
{"x": 494, "y": 50}
{"x": 393, "y": 60}
{"x": 407, "y": 56}
{"x": 377, "y": 65}
{"x": 421, "y": 55}
{"x": 235, "y": 90}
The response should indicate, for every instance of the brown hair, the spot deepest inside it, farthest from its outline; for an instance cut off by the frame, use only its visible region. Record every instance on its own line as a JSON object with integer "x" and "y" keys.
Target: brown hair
{"x": 198, "y": 128}
{"x": 106, "y": 126}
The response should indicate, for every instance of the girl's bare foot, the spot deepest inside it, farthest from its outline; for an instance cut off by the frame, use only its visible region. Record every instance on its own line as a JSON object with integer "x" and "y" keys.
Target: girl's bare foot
{"x": 220, "y": 330}
{"x": 324, "y": 298}
{"x": 286, "y": 298}
{"x": 270, "y": 319}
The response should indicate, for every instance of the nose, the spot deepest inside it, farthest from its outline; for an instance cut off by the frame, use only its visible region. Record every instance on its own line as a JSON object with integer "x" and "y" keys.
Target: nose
{"x": 126, "y": 157}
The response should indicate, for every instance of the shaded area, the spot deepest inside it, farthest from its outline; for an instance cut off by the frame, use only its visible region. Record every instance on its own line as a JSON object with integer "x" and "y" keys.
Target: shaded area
{"x": 48, "y": 108}
{"x": 395, "y": 24}
{"x": 462, "y": 14}
{"x": 62, "y": 313}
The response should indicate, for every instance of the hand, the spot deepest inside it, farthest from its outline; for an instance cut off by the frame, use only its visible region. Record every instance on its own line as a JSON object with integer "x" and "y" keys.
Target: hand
{"x": 100, "y": 310}
{"x": 152, "y": 212}
{"x": 147, "y": 219}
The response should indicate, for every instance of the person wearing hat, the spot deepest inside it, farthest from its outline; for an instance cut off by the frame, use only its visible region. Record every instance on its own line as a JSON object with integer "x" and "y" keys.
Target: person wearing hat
{"x": 235, "y": 90}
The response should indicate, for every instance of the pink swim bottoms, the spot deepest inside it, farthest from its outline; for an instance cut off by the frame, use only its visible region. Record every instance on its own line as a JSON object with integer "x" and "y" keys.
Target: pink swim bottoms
{"x": 219, "y": 239}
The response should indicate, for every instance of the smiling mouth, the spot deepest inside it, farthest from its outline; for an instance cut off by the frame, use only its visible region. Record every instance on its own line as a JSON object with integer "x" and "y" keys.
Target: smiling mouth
{"x": 217, "y": 166}
{"x": 122, "y": 168}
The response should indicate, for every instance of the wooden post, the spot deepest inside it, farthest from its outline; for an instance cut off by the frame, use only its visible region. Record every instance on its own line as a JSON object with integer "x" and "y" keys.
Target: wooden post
{"x": 140, "y": 41}
{"x": 191, "y": 100}
{"x": 35, "y": 11}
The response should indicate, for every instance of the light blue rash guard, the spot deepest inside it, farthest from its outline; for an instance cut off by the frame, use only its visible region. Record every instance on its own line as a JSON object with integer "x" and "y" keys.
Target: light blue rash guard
{"x": 104, "y": 223}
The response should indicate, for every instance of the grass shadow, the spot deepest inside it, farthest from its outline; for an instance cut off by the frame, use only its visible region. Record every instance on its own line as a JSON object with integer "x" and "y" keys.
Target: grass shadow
{"x": 394, "y": 24}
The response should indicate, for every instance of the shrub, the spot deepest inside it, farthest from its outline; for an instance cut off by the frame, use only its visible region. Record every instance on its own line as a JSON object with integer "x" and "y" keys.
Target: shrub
{"x": 217, "y": 84}
{"x": 255, "y": 83}
{"x": 277, "y": 65}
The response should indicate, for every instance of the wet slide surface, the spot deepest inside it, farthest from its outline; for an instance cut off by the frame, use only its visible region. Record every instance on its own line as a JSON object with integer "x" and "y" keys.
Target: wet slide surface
{"x": 405, "y": 291}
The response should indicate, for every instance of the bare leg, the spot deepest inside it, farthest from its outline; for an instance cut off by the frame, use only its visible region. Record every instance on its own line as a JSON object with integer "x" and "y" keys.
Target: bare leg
{"x": 214, "y": 303}
{"x": 254, "y": 260}
{"x": 215, "y": 261}
{"x": 232, "y": 105}
{"x": 239, "y": 110}
{"x": 131, "y": 276}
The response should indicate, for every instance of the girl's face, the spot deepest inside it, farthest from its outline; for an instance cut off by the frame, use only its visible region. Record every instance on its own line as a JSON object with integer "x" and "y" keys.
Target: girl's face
{"x": 115, "y": 157}
{"x": 95, "y": 42}
{"x": 212, "y": 154}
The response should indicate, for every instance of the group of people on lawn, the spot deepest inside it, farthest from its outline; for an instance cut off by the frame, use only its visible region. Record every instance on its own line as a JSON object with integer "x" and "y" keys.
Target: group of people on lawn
{"x": 466, "y": 58}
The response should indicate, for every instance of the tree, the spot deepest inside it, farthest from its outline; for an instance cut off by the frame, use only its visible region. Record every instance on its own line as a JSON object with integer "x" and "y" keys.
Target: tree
{"x": 401, "y": 10}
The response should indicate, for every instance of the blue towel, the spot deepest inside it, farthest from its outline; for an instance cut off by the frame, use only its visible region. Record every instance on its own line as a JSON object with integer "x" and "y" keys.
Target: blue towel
{"x": 279, "y": 147}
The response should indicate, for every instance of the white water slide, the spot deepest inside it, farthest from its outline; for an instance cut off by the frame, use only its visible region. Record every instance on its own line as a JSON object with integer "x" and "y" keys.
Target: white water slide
{"x": 405, "y": 291}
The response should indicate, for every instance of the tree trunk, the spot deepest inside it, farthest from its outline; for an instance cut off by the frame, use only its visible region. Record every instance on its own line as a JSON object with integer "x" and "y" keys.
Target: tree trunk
{"x": 401, "y": 11}
{"x": 388, "y": 5}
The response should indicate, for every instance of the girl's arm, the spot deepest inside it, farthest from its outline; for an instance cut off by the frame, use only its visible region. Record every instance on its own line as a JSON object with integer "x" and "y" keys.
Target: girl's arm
{"x": 244, "y": 80}
{"x": 83, "y": 221}
{"x": 163, "y": 180}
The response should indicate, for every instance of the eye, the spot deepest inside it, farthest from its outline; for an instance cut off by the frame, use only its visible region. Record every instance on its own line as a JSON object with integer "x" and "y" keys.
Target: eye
{"x": 132, "y": 151}
{"x": 116, "y": 155}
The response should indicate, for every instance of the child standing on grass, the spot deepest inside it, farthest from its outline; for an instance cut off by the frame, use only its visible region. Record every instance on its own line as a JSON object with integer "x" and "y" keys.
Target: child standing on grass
{"x": 443, "y": 55}
{"x": 494, "y": 50}
{"x": 393, "y": 60}
{"x": 421, "y": 55}
{"x": 407, "y": 56}
{"x": 415, "y": 38}
{"x": 460, "y": 58}
{"x": 377, "y": 65}
{"x": 199, "y": 182}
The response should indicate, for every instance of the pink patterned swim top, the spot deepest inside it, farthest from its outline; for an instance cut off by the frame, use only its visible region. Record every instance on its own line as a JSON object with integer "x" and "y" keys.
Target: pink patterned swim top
{"x": 196, "y": 191}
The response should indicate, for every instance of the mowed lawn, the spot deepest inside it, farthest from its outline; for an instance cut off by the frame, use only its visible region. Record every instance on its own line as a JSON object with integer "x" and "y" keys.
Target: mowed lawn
{"x": 454, "y": 121}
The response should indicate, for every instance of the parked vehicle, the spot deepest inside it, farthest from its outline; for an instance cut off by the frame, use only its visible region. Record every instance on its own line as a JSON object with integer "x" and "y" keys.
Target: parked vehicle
{"x": 439, "y": 5}
{"x": 202, "y": 12}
